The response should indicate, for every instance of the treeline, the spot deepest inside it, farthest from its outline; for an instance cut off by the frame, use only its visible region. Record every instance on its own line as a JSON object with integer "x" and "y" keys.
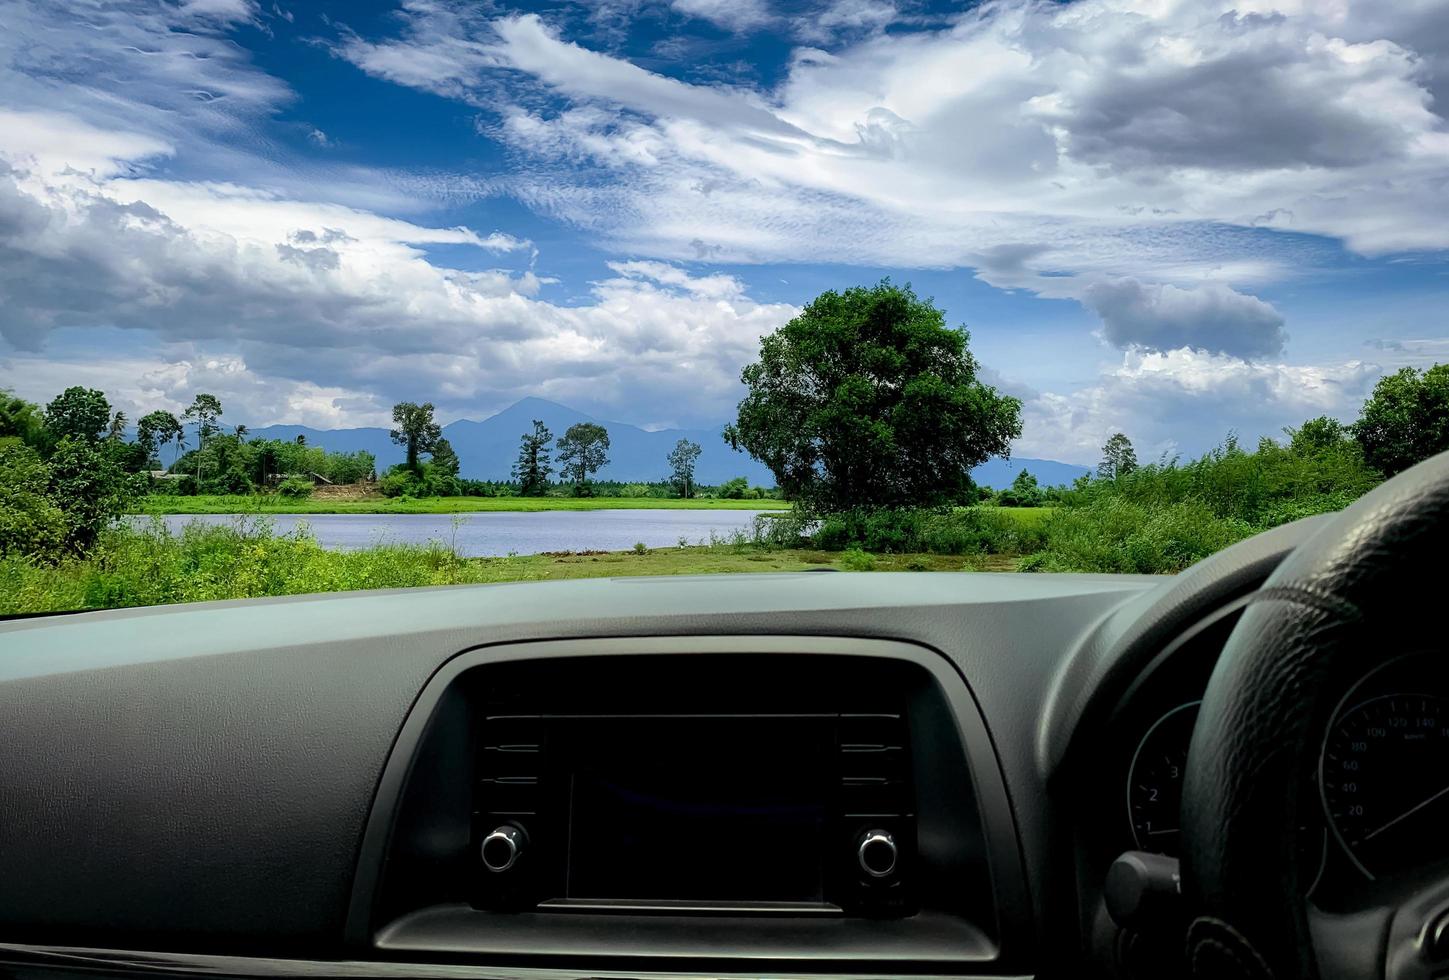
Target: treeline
{"x": 70, "y": 469}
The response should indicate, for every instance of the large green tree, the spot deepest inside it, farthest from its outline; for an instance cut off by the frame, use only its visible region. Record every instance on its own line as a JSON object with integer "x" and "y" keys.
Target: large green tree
{"x": 156, "y": 429}
{"x": 867, "y": 399}
{"x": 534, "y": 465}
{"x": 682, "y": 459}
{"x": 445, "y": 460}
{"x": 1406, "y": 419}
{"x": 416, "y": 430}
{"x": 78, "y": 413}
{"x": 582, "y": 451}
{"x": 90, "y": 488}
{"x": 203, "y": 412}
{"x": 1118, "y": 457}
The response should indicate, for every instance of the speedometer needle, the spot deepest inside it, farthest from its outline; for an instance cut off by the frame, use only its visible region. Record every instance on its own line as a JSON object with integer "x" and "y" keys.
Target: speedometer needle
{"x": 1407, "y": 813}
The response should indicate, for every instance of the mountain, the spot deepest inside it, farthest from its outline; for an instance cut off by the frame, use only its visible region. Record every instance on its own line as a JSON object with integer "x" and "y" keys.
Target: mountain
{"x": 487, "y": 449}
{"x": 998, "y": 473}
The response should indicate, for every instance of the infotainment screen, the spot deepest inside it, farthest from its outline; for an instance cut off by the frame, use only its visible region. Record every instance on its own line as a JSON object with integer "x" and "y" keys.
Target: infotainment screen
{"x": 711, "y": 809}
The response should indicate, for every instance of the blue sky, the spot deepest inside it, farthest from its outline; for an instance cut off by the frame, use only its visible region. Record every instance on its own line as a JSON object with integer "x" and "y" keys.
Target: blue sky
{"x": 1171, "y": 219}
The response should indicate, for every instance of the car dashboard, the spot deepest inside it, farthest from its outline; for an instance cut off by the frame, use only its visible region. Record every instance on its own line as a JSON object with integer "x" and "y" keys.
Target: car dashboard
{"x": 797, "y": 774}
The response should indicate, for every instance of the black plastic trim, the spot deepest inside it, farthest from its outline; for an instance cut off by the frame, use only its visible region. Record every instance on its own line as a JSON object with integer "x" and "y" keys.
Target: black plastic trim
{"x": 1012, "y": 899}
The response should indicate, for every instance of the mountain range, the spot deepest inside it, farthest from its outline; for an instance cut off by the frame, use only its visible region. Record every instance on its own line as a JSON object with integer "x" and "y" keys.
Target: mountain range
{"x": 488, "y": 449}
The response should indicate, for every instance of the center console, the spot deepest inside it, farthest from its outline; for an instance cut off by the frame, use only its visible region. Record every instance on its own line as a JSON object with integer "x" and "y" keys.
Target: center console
{"x": 698, "y": 785}
{"x": 815, "y": 802}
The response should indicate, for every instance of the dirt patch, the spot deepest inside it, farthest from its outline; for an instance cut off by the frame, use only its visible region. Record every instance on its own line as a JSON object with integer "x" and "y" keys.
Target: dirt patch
{"x": 347, "y": 491}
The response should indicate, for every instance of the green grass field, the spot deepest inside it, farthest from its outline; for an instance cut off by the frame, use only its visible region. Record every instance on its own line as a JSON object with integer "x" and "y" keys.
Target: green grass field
{"x": 142, "y": 568}
{"x": 275, "y": 504}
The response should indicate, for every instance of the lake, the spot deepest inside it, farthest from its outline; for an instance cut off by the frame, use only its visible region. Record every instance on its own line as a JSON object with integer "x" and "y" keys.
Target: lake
{"x": 496, "y": 534}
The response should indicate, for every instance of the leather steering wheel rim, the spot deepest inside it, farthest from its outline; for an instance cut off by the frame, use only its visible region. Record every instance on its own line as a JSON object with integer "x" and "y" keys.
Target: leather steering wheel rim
{"x": 1325, "y": 617}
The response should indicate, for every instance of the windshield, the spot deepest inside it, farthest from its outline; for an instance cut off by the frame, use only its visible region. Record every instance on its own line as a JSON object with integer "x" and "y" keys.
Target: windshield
{"x": 302, "y": 297}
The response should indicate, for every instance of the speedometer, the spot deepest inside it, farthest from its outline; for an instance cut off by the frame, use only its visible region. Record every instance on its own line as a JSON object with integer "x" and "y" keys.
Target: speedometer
{"x": 1384, "y": 776}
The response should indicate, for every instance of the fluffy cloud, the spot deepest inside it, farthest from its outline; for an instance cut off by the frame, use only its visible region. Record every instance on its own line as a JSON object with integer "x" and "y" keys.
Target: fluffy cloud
{"x": 336, "y": 303}
{"x": 1125, "y": 134}
{"x": 1164, "y": 317}
{"x": 732, "y": 15}
{"x": 1187, "y": 400}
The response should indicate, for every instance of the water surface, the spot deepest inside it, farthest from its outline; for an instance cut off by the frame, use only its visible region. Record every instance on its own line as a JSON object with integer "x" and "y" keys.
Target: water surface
{"x": 501, "y": 533}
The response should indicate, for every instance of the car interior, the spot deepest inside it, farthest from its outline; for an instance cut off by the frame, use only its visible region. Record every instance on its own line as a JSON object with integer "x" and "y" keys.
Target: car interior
{"x": 1237, "y": 771}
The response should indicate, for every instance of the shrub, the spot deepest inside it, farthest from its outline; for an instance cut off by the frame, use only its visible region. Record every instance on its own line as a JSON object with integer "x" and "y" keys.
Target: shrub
{"x": 30, "y": 522}
{"x": 856, "y": 560}
{"x": 395, "y": 483}
{"x": 733, "y": 489}
{"x": 640, "y": 548}
{"x": 295, "y": 488}
{"x": 781, "y": 529}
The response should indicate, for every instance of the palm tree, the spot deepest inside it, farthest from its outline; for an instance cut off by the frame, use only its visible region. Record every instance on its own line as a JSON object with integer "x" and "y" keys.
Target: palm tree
{"x": 118, "y": 427}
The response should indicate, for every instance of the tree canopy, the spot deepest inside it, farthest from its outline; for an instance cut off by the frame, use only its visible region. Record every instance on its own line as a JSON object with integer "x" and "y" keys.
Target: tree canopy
{"x": 1118, "y": 457}
{"x": 682, "y": 459}
{"x": 867, "y": 399}
{"x": 534, "y": 463}
{"x": 582, "y": 451}
{"x": 78, "y": 413}
{"x": 1406, "y": 419}
{"x": 415, "y": 429}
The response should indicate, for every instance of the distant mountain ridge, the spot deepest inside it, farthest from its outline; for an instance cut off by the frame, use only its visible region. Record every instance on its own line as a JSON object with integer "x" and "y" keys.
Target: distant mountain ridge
{"x": 487, "y": 449}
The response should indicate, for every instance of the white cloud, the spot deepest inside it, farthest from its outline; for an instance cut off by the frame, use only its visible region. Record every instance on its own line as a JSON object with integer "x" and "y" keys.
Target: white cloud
{"x": 338, "y": 306}
{"x": 140, "y": 384}
{"x": 732, "y": 15}
{"x": 1132, "y": 137}
{"x": 846, "y": 16}
{"x": 1188, "y": 400}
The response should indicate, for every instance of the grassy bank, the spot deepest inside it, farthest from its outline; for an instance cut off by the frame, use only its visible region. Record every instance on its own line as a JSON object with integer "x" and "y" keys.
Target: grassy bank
{"x": 149, "y": 566}
{"x": 276, "y": 504}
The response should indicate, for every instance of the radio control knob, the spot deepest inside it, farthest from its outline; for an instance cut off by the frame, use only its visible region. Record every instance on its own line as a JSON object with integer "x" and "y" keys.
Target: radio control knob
{"x": 502, "y": 848}
{"x": 877, "y": 853}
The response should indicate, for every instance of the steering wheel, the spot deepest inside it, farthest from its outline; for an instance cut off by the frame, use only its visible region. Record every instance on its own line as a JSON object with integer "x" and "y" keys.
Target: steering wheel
{"x": 1347, "y": 599}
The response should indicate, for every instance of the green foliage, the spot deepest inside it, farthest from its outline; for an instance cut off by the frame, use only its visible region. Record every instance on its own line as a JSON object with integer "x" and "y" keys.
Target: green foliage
{"x": 444, "y": 460}
{"x": 22, "y": 420}
{"x": 682, "y": 459}
{"x": 89, "y": 488}
{"x": 1406, "y": 419}
{"x": 867, "y": 399}
{"x": 582, "y": 452}
{"x": 1114, "y": 534}
{"x": 1318, "y": 435}
{"x": 1023, "y": 492}
{"x": 1118, "y": 457}
{"x": 78, "y": 413}
{"x": 155, "y": 430}
{"x": 31, "y": 523}
{"x": 640, "y": 548}
{"x": 534, "y": 463}
{"x": 416, "y": 430}
{"x": 856, "y": 560}
{"x": 734, "y": 489}
{"x": 204, "y": 412}
{"x": 295, "y": 488}
{"x": 428, "y": 480}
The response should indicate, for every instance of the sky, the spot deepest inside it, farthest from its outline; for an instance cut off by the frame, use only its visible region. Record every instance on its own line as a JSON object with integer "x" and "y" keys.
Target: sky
{"x": 1169, "y": 218}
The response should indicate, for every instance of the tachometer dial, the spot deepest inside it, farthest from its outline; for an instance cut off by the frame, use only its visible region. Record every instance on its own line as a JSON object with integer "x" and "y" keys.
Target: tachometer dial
{"x": 1154, "y": 783}
{"x": 1385, "y": 779}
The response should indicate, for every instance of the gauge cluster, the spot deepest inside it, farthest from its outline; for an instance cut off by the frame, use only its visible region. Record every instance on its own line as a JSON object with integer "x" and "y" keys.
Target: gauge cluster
{"x": 1378, "y": 798}
{"x": 1383, "y": 772}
